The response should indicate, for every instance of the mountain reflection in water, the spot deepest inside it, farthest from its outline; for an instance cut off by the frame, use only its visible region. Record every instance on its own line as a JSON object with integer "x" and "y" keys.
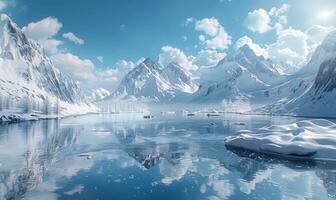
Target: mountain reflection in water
{"x": 128, "y": 157}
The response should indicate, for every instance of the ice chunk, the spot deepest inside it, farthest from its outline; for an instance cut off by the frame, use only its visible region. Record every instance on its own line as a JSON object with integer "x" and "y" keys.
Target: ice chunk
{"x": 308, "y": 140}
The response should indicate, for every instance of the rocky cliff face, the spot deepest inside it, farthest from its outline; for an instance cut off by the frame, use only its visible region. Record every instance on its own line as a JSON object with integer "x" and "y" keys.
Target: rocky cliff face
{"x": 32, "y": 64}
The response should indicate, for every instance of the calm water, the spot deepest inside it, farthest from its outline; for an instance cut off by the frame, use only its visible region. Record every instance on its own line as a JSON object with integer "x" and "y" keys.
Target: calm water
{"x": 127, "y": 157}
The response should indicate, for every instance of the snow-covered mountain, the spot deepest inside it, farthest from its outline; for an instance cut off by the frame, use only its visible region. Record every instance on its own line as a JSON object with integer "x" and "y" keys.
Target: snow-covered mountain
{"x": 242, "y": 77}
{"x": 320, "y": 99}
{"x": 99, "y": 94}
{"x": 22, "y": 59}
{"x": 179, "y": 78}
{"x": 149, "y": 81}
{"x": 237, "y": 74}
{"x": 311, "y": 91}
{"x": 325, "y": 51}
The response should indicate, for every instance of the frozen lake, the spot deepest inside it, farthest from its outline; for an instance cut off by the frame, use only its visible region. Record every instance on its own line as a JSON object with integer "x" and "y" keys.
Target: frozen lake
{"x": 168, "y": 157}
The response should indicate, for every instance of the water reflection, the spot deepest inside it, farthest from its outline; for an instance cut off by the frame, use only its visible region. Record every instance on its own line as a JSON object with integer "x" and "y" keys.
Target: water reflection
{"x": 127, "y": 157}
{"x": 27, "y": 150}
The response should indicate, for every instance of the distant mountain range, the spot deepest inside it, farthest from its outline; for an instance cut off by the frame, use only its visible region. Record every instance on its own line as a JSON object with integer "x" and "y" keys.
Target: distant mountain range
{"x": 25, "y": 70}
{"x": 241, "y": 75}
{"x": 149, "y": 82}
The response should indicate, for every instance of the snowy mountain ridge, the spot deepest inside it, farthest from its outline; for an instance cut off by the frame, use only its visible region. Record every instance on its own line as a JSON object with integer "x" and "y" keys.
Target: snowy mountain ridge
{"x": 149, "y": 81}
{"x": 311, "y": 91}
{"x": 30, "y": 82}
{"x": 30, "y": 62}
{"x": 235, "y": 76}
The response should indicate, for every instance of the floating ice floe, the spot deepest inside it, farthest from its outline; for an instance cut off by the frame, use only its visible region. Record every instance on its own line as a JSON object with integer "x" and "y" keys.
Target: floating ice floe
{"x": 303, "y": 140}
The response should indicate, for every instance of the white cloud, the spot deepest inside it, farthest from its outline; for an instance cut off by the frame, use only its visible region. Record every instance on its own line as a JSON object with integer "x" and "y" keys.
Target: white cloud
{"x": 221, "y": 41}
{"x": 217, "y": 38}
{"x": 295, "y": 47}
{"x": 42, "y": 30}
{"x": 100, "y": 59}
{"x": 291, "y": 47}
{"x": 120, "y": 68}
{"x": 261, "y": 21}
{"x": 170, "y": 54}
{"x": 125, "y": 66}
{"x": 50, "y": 45}
{"x": 209, "y": 26}
{"x": 111, "y": 77}
{"x": 82, "y": 70}
{"x": 258, "y": 21}
{"x": 72, "y": 37}
{"x": 201, "y": 38}
{"x": 283, "y": 10}
{"x": 207, "y": 58}
{"x": 258, "y": 50}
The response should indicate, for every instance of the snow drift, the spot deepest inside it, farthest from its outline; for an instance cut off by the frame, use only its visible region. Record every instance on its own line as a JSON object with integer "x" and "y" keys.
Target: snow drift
{"x": 303, "y": 140}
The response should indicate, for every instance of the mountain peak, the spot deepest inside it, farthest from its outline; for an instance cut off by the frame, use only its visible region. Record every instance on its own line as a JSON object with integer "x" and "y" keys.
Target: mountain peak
{"x": 247, "y": 51}
{"x": 5, "y": 20}
{"x": 37, "y": 66}
{"x": 148, "y": 61}
{"x": 4, "y": 17}
{"x": 149, "y": 64}
{"x": 243, "y": 53}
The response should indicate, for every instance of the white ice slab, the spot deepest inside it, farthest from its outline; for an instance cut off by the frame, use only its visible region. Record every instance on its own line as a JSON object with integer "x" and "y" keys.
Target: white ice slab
{"x": 307, "y": 140}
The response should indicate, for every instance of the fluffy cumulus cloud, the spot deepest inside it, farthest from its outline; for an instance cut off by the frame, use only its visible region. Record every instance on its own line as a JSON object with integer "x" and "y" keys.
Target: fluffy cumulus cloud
{"x": 72, "y": 37}
{"x": 291, "y": 47}
{"x": 44, "y": 29}
{"x": 125, "y": 66}
{"x": 43, "y": 32}
{"x": 258, "y": 21}
{"x": 215, "y": 38}
{"x": 259, "y": 51}
{"x": 278, "y": 12}
{"x": 207, "y": 58}
{"x": 80, "y": 69}
{"x": 210, "y": 26}
{"x": 120, "y": 68}
{"x": 51, "y": 45}
{"x": 295, "y": 47}
{"x": 170, "y": 54}
{"x": 261, "y": 21}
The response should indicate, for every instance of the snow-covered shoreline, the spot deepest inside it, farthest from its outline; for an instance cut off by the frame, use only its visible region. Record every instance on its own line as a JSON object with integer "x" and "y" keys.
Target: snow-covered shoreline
{"x": 67, "y": 111}
{"x": 304, "y": 140}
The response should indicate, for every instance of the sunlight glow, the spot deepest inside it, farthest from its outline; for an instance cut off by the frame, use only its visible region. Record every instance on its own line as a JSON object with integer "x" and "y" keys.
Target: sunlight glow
{"x": 326, "y": 15}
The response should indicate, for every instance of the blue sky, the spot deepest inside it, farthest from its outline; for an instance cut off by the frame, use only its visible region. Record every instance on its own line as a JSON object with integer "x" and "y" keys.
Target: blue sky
{"x": 130, "y": 29}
